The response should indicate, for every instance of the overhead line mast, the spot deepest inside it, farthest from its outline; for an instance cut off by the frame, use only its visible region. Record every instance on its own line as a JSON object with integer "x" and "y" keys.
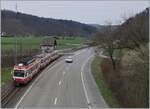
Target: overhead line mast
{"x": 15, "y": 57}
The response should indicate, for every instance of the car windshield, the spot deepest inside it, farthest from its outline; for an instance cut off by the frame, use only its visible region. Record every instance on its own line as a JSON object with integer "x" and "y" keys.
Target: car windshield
{"x": 19, "y": 73}
{"x": 69, "y": 57}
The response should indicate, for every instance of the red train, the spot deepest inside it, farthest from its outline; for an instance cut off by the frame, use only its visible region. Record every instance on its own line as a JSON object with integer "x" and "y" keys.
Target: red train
{"x": 29, "y": 67}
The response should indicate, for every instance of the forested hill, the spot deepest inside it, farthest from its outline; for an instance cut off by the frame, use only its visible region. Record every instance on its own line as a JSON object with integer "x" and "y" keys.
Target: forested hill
{"x": 24, "y": 24}
{"x": 135, "y": 29}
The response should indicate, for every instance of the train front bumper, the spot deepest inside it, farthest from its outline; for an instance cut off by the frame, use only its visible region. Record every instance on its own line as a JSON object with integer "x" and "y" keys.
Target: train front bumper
{"x": 20, "y": 80}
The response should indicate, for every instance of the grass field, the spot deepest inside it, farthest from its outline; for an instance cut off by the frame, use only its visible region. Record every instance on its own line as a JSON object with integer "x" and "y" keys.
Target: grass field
{"x": 105, "y": 91}
{"x": 70, "y": 42}
{"x": 24, "y": 44}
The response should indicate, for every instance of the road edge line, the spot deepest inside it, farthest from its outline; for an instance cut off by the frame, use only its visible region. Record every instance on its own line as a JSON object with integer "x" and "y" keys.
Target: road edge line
{"x": 83, "y": 83}
{"x": 55, "y": 101}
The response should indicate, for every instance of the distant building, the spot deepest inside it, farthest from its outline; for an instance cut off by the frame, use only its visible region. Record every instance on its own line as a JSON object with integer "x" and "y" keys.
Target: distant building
{"x": 47, "y": 48}
{"x": 3, "y": 34}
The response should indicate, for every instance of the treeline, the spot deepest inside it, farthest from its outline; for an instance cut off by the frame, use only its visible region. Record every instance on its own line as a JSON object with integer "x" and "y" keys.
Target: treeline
{"x": 128, "y": 49}
{"x": 23, "y": 24}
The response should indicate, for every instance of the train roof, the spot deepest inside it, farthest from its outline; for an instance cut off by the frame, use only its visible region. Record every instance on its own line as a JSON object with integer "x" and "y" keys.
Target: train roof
{"x": 27, "y": 61}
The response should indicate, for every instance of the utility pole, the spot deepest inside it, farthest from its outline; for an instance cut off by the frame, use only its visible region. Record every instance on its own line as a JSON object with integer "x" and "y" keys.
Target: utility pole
{"x": 55, "y": 42}
{"x": 15, "y": 51}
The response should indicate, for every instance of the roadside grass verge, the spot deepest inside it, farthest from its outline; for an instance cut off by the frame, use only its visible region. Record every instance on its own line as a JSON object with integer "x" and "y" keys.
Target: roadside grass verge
{"x": 5, "y": 75}
{"x": 105, "y": 91}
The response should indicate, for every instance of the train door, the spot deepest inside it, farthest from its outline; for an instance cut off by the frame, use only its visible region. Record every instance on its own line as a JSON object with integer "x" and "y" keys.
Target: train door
{"x": 29, "y": 73}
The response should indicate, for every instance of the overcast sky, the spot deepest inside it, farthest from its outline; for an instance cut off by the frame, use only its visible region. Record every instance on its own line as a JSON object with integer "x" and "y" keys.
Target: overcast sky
{"x": 93, "y": 12}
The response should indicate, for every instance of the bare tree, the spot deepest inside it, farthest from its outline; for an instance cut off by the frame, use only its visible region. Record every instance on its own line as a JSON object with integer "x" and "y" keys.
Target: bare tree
{"x": 105, "y": 40}
{"x": 135, "y": 30}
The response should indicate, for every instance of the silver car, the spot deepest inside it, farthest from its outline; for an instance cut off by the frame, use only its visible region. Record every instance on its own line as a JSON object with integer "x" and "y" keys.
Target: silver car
{"x": 69, "y": 59}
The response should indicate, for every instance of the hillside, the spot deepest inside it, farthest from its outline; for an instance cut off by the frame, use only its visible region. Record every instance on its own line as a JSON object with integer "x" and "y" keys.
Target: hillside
{"x": 24, "y": 24}
{"x": 99, "y": 27}
{"x": 102, "y": 28}
{"x": 135, "y": 30}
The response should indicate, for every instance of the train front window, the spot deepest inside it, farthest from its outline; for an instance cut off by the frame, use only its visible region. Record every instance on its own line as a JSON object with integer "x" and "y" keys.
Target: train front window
{"x": 19, "y": 73}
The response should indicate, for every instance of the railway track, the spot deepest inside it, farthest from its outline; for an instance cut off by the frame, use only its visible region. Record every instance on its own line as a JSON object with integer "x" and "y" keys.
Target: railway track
{"x": 8, "y": 95}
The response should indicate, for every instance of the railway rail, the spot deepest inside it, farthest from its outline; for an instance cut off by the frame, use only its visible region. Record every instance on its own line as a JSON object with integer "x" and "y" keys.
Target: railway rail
{"x": 7, "y": 92}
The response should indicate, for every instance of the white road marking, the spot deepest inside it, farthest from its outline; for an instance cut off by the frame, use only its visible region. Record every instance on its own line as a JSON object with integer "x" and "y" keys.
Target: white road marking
{"x": 55, "y": 101}
{"x": 78, "y": 53}
{"x": 84, "y": 87}
{"x": 59, "y": 82}
{"x": 64, "y": 73}
{"x": 28, "y": 90}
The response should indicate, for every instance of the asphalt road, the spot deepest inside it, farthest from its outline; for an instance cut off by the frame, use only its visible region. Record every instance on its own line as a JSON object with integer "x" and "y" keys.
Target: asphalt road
{"x": 65, "y": 85}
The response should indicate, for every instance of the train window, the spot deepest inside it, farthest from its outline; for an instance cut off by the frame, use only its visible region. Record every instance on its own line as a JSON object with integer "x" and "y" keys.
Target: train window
{"x": 32, "y": 69}
{"x": 19, "y": 73}
{"x": 36, "y": 65}
{"x": 25, "y": 74}
{"x": 42, "y": 61}
{"x": 29, "y": 71}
